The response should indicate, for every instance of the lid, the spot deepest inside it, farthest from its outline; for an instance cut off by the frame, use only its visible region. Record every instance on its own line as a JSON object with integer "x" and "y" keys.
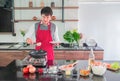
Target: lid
{"x": 91, "y": 43}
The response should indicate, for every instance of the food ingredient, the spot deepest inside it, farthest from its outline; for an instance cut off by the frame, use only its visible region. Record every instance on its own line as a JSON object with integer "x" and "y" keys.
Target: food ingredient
{"x": 29, "y": 69}
{"x": 40, "y": 70}
{"x": 71, "y": 36}
{"x": 99, "y": 70}
{"x": 32, "y": 69}
{"x": 115, "y": 65}
{"x": 25, "y": 70}
{"x": 68, "y": 37}
{"x": 84, "y": 72}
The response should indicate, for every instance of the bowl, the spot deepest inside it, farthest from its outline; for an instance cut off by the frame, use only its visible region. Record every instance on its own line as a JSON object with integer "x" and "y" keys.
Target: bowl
{"x": 98, "y": 70}
{"x": 84, "y": 72}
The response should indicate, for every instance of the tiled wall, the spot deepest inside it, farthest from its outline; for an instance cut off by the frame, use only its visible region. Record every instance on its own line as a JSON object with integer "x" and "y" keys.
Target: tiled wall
{"x": 28, "y": 14}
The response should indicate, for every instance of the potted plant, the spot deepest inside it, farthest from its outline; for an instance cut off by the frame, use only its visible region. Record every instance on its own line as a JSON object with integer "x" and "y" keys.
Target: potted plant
{"x": 22, "y": 32}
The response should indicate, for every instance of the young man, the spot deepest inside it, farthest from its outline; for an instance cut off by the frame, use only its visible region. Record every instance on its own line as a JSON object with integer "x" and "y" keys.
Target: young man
{"x": 44, "y": 32}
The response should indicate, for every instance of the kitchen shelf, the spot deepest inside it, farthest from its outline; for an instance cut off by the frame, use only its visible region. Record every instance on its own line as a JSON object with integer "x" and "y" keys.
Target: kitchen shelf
{"x": 69, "y": 20}
{"x": 27, "y": 8}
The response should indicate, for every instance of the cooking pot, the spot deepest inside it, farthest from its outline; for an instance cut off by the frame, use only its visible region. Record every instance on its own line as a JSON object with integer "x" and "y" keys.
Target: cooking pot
{"x": 38, "y": 53}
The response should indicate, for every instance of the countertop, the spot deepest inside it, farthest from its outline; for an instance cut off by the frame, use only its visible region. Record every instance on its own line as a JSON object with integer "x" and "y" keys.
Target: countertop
{"x": 13, "y": 73}
{"x": 18, "y": 46}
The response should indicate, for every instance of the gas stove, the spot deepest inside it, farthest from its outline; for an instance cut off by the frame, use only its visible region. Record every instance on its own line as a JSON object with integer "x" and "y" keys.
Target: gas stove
{"x": 36, "y": 62}
{"x": 36, "y": 58}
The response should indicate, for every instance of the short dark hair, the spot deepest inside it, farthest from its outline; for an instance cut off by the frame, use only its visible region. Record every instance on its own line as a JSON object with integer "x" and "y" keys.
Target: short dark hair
{"x": 47, "y": 11}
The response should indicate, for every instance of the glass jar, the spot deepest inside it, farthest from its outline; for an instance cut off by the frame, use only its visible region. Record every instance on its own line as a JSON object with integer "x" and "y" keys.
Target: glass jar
{"x": 30, "y": 3}
{"x": 42, "y": 3}
{"x": 52, "y": 4}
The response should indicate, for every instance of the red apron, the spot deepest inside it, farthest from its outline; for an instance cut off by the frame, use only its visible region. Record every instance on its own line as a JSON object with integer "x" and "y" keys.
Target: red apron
{"x": 44, "y": 36}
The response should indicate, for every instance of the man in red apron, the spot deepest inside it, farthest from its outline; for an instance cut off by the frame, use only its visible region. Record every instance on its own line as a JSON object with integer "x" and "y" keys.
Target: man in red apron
{"x": 44, "y": 36}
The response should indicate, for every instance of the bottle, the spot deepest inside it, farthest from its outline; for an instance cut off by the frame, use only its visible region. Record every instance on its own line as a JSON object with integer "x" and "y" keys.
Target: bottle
{"x": 30, "y": 3}
{"x": 91, "y": 59}
{"x": 52, "y": 4}
{"x": 74, "y": 73}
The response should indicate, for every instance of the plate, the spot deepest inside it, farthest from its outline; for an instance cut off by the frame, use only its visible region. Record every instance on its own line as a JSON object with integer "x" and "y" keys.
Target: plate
{"x": 55, "y": 42}
{"x": 111, "y": 69}
{"x": 65, "y": 67}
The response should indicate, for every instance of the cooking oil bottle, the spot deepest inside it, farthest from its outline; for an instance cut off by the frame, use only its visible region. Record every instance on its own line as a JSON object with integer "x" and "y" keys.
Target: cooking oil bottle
{"x": 91, "y": 59}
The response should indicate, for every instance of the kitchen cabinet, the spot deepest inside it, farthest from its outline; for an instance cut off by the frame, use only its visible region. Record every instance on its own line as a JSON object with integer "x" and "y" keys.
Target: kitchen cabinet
{"x": 59, "y": 54}
{"x": 77, "y": 55}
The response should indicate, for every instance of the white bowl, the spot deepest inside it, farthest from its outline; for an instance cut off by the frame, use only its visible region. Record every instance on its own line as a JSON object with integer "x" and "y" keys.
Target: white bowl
{"x": 99, "y": 70}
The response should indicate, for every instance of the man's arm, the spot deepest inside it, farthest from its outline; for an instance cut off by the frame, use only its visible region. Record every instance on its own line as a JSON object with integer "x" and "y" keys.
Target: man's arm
{"x": 30, "y": 33}
{"x": 56, "y": 34}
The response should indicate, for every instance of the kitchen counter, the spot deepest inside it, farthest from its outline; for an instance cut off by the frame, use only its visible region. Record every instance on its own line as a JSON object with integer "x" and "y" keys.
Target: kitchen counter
{"x": 17, "y": 46}
{"x": 13, "y": 73}
{"x": 12, "y": 51}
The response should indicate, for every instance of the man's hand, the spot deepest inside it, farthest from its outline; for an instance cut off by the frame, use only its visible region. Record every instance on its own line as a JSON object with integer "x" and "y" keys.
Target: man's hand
{"x": 38, "y": 44}
{"x": 29, "y": 41}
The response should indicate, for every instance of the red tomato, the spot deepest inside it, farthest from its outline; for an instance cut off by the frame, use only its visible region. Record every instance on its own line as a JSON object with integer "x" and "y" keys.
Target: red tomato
{"x": 30, "y": 65}
{"x": 40, "y": 70}
{"x": 25, "y": 70}
{"x": 32, "y": 69}
{"x": 107, "y": 65}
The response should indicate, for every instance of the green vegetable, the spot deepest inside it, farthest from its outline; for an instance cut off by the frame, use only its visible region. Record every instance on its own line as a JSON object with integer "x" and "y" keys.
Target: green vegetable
{"x": 76, "y": 36}
{"x": 71, "y": 36}
{"x": 68, "y": 36}
{"x": 115, "y": 65}
{"x": 22, "y": 32}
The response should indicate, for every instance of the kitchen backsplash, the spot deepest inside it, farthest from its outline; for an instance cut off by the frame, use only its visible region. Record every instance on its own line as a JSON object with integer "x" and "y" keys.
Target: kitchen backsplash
{"x": 28, "y": 14}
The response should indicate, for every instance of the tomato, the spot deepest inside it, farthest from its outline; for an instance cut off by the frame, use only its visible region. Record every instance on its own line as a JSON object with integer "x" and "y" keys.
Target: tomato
{"x": 25, "y": 70}
{"x": 30, "y": 65}
{"x": 84, "y": 72}
{"x": 32, "y": 69}
{"x": 40, "y": 70}
{"x": 107, "y": 65}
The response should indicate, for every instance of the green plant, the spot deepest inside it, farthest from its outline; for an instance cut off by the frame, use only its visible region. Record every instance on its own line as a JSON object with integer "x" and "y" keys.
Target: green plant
{"x": 76, "y": 36}
{"x": 22, "y": 32}
{"x": 68, "y": 36}
{"x": 71, "y": 36}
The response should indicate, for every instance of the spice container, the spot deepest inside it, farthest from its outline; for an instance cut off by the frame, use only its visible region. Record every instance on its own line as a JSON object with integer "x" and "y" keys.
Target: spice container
{"x": 52, "y": 4}
{"x": 74, "y": 73}
{"x": 30, "y": 3}
{"x": 42, "y": 4}
{"x": 53, "y": 69}
{"x": 68, "y": 72}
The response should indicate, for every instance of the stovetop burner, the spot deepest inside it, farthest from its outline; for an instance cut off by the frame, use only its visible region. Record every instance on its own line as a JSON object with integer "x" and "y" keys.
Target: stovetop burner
{"x": 34, "y": 61}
